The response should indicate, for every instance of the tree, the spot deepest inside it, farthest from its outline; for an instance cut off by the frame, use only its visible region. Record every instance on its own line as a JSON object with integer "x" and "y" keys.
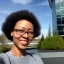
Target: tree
{"x": 2, "y": 39}
{"x": 42, "y": 39}
{"x": 53, "y": 43}
{"x": 49, "y": 31}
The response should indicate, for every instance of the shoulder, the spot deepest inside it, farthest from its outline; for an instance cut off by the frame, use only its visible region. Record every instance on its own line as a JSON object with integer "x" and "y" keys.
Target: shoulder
{"x": 2, "y": 55}
{"x": 36, "y": 58}
{"x": 34, "y": 55}
{"x": 2, "y": 58}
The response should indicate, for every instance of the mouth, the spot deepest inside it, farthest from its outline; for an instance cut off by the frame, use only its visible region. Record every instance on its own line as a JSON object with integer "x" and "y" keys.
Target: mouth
{"x": 24, "y": 42}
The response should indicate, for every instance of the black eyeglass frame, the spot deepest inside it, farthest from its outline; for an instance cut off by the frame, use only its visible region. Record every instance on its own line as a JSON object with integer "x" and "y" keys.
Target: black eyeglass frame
{"x": 19, "y": 31}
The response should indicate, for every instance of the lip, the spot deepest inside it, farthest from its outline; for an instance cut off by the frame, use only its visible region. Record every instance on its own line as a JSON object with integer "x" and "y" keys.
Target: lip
{"x": 24, "y": 42}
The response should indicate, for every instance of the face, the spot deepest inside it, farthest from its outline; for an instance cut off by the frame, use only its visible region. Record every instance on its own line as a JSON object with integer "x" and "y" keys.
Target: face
{"x": 22, "y": 34}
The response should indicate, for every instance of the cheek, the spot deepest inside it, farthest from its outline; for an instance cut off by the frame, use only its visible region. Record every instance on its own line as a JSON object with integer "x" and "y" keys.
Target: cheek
{"x": 15, "y": 38}
{"x": 30, "y": 39}
{"x": 15, "y": 35}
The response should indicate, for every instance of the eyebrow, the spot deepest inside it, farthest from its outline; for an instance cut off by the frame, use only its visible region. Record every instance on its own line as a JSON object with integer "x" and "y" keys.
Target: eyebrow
{"x": 27, "y": 28}
{"x": 24, "y": 28}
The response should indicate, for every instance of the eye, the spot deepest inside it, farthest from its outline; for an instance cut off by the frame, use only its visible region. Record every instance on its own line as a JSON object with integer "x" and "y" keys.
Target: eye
{"x": 30, "y": 32}
{"x": 21, "y": 31}
{"x": 18, "y": 30}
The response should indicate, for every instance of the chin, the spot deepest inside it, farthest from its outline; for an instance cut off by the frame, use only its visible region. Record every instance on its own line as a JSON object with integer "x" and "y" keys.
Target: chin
{"x": 23, "y": 47}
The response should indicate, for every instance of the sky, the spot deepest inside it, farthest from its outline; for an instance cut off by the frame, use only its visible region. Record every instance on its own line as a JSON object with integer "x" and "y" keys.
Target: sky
{"x": 40, "y": 8}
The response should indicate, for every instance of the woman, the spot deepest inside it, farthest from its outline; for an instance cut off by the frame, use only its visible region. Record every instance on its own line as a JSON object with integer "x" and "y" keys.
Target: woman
{"x": 20, "y": 27}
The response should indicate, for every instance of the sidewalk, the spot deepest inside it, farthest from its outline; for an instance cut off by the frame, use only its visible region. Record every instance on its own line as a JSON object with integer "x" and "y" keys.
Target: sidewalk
{"x": 52, "y": 57}
{"x": 55, "y": 60}
{"x": 50, "y": 54}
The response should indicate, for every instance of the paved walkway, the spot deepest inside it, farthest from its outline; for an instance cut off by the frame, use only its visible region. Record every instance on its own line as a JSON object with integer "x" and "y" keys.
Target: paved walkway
{"x": 50, "y": 54}
{"x": 50, "y": 57}
{"x": 55, "y": 60}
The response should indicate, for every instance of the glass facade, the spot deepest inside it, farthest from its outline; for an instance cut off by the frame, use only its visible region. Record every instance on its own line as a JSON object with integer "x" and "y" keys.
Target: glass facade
{"x": 58, "y": 16}
{"x": 59, "y": 4}
{"x": 54, "y": 20}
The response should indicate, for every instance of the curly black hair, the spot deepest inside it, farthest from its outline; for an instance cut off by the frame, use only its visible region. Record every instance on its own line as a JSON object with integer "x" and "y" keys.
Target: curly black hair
{"x": 14, "y": 17}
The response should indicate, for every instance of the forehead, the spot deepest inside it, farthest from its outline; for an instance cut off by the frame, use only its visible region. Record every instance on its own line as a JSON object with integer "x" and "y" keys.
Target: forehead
{"x": 24, "y": 23}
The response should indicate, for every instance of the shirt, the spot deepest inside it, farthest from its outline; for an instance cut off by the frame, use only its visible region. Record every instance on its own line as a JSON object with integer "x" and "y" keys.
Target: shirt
{"x": 29, "y": 58}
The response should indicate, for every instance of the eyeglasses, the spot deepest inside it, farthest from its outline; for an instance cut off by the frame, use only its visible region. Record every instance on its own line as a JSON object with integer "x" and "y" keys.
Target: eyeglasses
{"x": 22, "y": 32}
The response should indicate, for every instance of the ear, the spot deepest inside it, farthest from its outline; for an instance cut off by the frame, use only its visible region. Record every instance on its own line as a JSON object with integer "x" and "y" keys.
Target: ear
{"x": 12, "y": 33}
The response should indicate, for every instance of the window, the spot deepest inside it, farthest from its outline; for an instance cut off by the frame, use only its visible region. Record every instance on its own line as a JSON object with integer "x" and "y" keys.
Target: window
{"x": 58, "y": 6}
{"x": 62, "y": 12}
{"x": 61, "y": 33}
{"x": 58, "y": 20}
{"x": 60, "y": 28}
{"x": 62, "y": 3}
{"x": 62, "y": 20}
{"x": 58, "y": 13}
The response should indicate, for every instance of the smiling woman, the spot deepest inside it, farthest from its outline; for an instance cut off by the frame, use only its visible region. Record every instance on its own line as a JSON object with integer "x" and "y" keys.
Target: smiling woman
{"x": 20, "y": 27}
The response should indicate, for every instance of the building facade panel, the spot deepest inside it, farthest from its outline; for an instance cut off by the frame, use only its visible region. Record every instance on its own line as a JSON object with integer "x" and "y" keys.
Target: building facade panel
{"x": 57, "y": 7}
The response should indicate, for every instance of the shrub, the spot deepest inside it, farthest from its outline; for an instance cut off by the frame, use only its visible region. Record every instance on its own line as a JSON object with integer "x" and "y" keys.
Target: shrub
{"x": 4, "y": 49}
{"x": 39, "y": 43}
{"x": 53, "y": 43}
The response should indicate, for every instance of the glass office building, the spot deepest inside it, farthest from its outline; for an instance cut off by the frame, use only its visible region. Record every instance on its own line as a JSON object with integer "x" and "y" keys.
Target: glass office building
{"x": 57, "y": 7}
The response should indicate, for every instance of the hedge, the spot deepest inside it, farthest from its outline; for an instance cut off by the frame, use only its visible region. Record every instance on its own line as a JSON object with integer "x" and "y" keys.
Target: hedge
{"x": 52, "y": 43}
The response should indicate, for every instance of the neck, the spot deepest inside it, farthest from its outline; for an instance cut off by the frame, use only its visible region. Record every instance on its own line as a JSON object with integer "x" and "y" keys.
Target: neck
{"x": 16, "y": 52}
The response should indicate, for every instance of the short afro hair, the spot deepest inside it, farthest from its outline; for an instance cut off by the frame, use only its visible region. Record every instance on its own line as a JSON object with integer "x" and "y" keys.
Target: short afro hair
{"x": 14, "y": 17}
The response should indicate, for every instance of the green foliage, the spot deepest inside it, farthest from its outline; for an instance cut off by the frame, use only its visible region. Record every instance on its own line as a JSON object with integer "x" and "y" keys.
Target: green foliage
{"x": 53, "y": 43}
{"x": 36, "y": 39}
{"x": 41, "y": 40}
{"x": 2, "y": 39}
{"x": 4, "y": 49}
{"x": 49, "y": 31}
